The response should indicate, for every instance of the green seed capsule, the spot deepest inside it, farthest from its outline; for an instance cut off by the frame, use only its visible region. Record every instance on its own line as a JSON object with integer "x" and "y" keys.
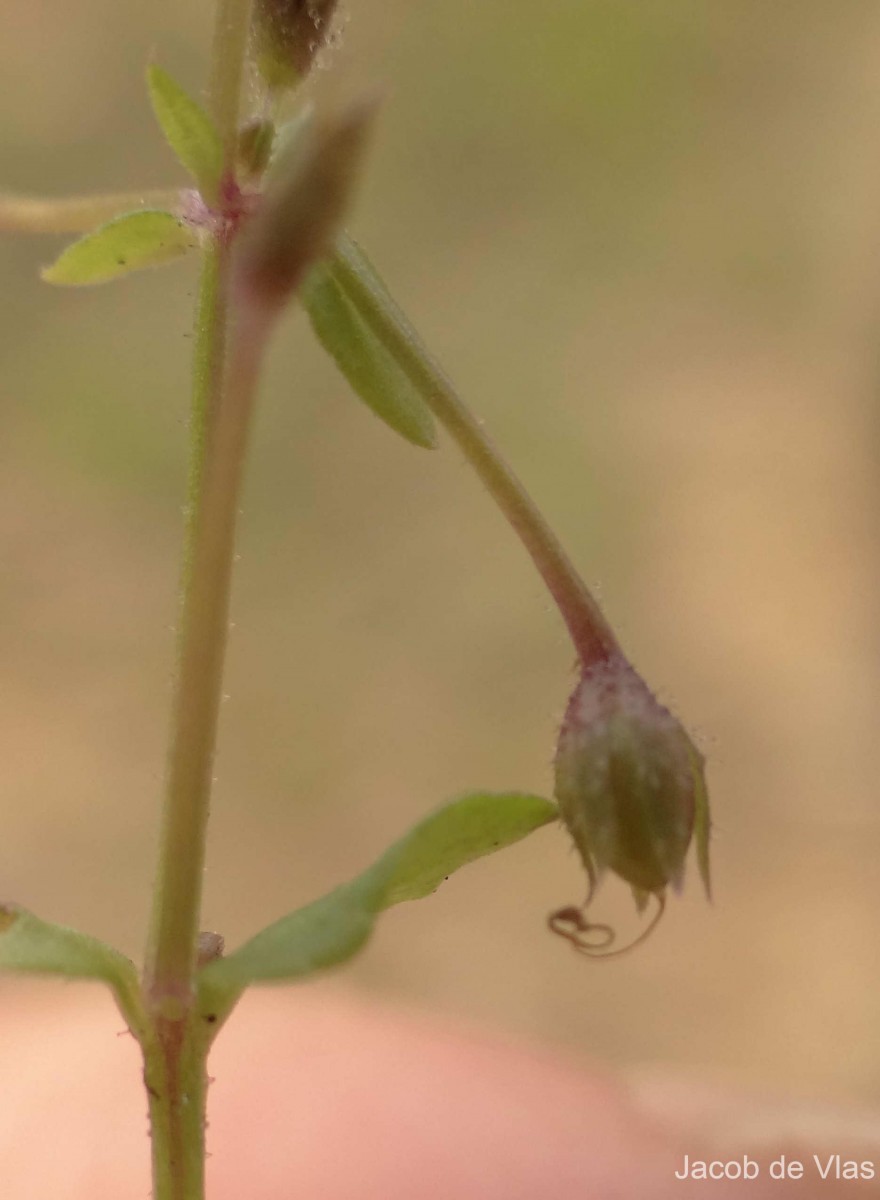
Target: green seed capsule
{"x": 629, "y": 782}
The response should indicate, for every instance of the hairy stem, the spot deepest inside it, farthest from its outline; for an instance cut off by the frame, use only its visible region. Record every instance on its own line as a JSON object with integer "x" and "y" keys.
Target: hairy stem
{"x": 176, "y": 1050}
{"x": 212, "y": 310}
{"x": 196, "y": 702}
{"x": 590, "y": 632}
{"x": 176, "y": 1083}
{"x": 175, "y": 1047}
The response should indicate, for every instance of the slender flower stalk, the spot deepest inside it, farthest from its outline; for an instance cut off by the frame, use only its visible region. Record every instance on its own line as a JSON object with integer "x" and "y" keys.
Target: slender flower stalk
{"x": 75, "y": 214}
{"x": 591, "y": 634}
{"x": 629, "y": 780}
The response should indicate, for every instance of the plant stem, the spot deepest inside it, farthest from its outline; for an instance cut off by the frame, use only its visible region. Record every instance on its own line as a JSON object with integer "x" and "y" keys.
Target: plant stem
{"x": 174, "y": 1055}
{"x": 592, "y": 635}
{"x": 176, "y": 1082}
{"x": 205, "y": 590}
{"x": 196, "y": 702}
{"x": 175, "y": 1052}
{"x": 212, "y": 310}
{"x": 175, "y": 1046}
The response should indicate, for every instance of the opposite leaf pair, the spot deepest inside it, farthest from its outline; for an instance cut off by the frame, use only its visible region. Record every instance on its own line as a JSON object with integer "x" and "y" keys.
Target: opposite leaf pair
{"x": 323, "y": 934}
{"x": 151, "y": 237}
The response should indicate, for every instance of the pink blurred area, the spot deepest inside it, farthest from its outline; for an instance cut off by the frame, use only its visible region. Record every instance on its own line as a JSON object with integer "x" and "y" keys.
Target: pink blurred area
{"x": 318, "y": 1093}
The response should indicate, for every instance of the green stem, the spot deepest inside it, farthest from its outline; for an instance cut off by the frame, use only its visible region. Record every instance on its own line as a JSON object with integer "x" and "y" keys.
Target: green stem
{"x": 204, "y": 605}
{"x": 174, "y": 1044}
{"x": 177, "y": 898}
{"x": 590, "y": 632}
{"x": 174, "y": 1056}
{"x": 175, "y": 1051}
{"x": 212, "y": 307}
{"x": 176, "y": 1082}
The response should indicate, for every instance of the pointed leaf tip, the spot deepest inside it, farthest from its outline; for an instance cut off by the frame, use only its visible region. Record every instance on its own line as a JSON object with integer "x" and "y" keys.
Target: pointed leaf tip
{"x": 460, "y": 833}
{"x": 29, "y": 945}
{"x": 188, "y": 129}
{"x": 131, "y": 242}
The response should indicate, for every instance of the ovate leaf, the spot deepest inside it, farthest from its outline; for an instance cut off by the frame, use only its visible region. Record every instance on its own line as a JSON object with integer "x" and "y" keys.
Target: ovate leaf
{"x": 190, "y": 132}
{"x": 128, "y": 243}
{"x": 334, "y": 928}
{"x": 363, "y": 360}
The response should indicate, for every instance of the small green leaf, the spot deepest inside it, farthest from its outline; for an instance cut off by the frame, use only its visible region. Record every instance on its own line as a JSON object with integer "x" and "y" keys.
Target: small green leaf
{"x": 332, "y": 929}
{"x": 29, "y": 945}
{"x": 128, "y": 243}
{"x": 363, "y": 360}
{"x": 190, "y": 132}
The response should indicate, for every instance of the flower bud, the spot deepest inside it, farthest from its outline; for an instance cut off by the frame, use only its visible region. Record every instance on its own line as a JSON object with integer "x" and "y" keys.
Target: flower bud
{"x": 629, "y": 782}
{"x": 255, "y": 144}
{"x": 288, "y": 35}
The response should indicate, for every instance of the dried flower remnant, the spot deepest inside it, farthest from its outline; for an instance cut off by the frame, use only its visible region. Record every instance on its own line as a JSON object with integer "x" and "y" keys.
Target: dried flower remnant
{"x": 209, "y": 947}
{"x": 631, "y": 792}
{"x": 288, "y": 34}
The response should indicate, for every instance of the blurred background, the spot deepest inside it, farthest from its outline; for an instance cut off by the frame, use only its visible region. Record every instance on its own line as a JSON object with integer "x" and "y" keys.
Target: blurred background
{"x": 644, "y": 240}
